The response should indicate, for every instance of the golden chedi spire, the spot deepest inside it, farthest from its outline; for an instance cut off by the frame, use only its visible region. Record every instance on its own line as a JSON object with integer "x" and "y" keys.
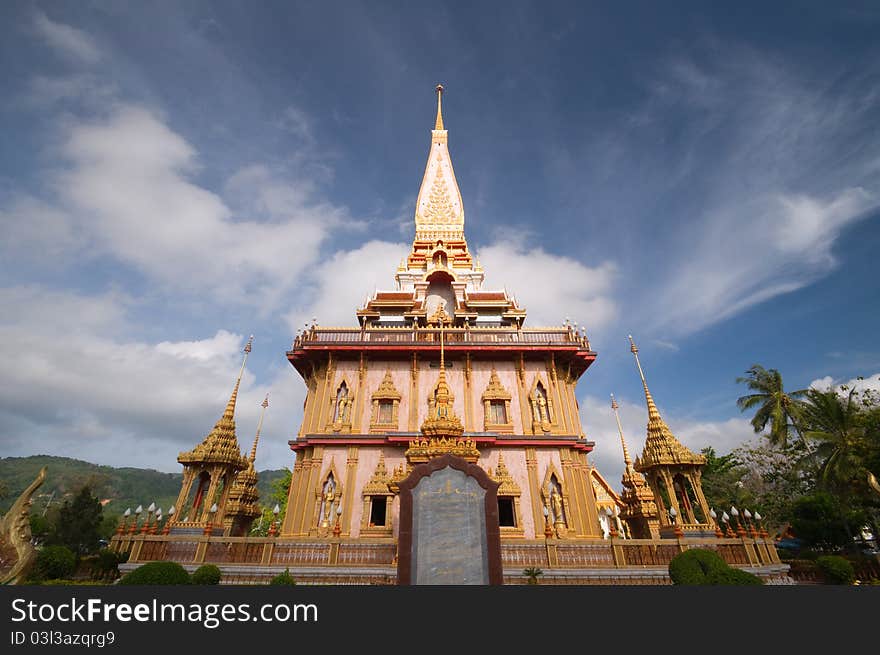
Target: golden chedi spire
{"x": 639, "y": 509}
{"x": 661, "y": 446}
{"x": 243, "y": 505}
{"x": 438, "y": 124}
{"x": 220, "y": 446}
{"x": 439, "y": 208}
{"x": 629, "y": 471}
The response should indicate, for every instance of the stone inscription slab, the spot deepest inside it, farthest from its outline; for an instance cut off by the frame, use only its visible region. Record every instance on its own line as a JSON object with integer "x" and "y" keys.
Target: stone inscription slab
{"x": 449, "y": 530}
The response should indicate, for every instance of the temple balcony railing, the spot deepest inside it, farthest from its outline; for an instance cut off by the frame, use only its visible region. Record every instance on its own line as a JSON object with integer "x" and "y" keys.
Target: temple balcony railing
{"x": 380, "y": 553}
{"x": 415, "y": 336}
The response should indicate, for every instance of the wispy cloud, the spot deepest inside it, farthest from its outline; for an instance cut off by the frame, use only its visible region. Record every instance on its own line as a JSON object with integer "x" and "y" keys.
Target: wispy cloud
{"x": 65, "y": 39}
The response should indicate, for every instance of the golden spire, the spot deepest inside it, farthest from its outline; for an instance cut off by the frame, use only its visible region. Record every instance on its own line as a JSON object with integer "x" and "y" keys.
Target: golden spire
{"x": 661, "y": 446}
{"x": 442, "y": 408}
{"x": 221, "y": 444}
{"x": 439, "y": 211}
{"x": 626, "y": 459}
{"x": 441, "y": 420}
{"x": 264, "y": 405}
{"x": 230, "y": 406}
{"x": 438, "y": 124}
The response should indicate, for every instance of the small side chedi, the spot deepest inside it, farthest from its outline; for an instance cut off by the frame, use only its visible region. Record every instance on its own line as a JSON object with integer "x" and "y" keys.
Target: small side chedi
{"x": 449, "y": 530}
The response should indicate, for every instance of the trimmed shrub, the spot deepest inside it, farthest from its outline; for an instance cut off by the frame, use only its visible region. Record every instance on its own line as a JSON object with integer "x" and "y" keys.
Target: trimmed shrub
{"x": 206, "y": 574}
{"x": 836, "y": 569}
{"x": 732, "y": 576}
{"x": 699, "y": 566}
{"x": 692, "y": 566}
{"x": 54, "y": 562}
{"x": 283, "y": 579}
{"x": 156, "y": 573}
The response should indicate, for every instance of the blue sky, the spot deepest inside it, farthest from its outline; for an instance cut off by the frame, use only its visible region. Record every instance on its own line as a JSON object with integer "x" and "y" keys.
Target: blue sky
{"x": 176, "y": 176}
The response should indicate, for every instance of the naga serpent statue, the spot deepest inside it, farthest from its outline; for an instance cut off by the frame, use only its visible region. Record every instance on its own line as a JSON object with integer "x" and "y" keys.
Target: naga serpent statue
{"x": 17, "y": 554}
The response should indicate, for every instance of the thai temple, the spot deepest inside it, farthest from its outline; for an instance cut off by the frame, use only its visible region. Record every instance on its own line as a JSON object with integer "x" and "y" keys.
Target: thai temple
{"x": 437, "y": 365}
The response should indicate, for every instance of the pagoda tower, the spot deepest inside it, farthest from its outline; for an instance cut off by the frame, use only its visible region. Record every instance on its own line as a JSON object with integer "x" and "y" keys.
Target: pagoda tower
{"x": 437, "y": 365}
{"x": 243, "y": 506}
{"x": 209, "y": 471}
{"x": 673, "y": 473}
{"x": 639, "y": 508}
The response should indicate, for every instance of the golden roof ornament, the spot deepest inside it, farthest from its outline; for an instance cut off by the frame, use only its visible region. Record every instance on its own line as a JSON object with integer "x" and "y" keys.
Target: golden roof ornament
{"x": 379, "y": 481}
{"x": 508, "y": 486}
{"x": 661, "y": 446}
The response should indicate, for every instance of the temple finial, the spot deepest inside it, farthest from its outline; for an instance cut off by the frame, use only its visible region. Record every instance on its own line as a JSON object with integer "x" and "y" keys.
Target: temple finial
{"x": 230, "y": 406}
{"x": 264, "y": 405}
{"x": 626, "y": 460}
{"x": 652, "y": 407}
{"x": 438, "y": 125}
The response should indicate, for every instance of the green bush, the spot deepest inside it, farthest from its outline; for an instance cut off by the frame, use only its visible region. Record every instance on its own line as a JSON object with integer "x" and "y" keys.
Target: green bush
{"x": 54, "y": 562}
{"x": 732, "y": 576}
{"x": 836, "y": 569}
{"x": 206, "y": 574}
{"x": 699, "y": 566}
{"x": 692, "y": 566}
{"x": 156, "y": 573}
{"x": 283, "y": 579}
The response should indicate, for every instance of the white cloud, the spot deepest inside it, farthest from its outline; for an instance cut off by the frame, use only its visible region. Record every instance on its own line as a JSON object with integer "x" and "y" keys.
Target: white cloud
{"x": 871, "y": 382}
{"x": 66, "y": 40}
{"x": 601, "y": 427}
{"x": 72, "y": 388}
{"x": 337, "y": 287}
{"x": 129, "y": 186}
{"x": 770, "y": 169}
{"x": 551, "y": 287}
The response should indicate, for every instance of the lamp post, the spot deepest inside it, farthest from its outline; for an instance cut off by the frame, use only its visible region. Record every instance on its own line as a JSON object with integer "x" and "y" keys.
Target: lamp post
{"x": 171, "y": 511}
{"x": 146, "y": 528}
{"x": 762, "y": 531}
{"x": 726, "y": 520}
{"x": 134, "y": 525}
{"x": 734, "y": 512}
{"x": 718, "y": 531}
{"x": 209, "y": 526}
{"x": 273, "y": 529}
{"x": 337, "y": 530}
{"x": 155, "y": 527}
{"x": 123, "y": 525}
{"x": 676, "y": 528}
{"x": 750, "y": 524}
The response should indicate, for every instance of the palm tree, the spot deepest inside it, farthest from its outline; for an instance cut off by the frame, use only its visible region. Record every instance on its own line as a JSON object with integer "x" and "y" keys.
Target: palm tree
{"x": 832, "y": 420}
{"x": 775, "y": 406}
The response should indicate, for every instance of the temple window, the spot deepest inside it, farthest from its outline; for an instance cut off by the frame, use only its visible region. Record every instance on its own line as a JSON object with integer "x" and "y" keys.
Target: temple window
{"x": 497, "y": 411}
{"x": 386, "y": 411}
{"x": 378, "y": 511}
{"x": 386, "y": 406}
{"x": 496, "y": 406}
{"x": 506, "y": 512}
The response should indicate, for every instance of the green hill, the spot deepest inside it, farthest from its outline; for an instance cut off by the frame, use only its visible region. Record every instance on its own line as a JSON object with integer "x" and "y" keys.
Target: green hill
{"x": 118, "y": 488}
